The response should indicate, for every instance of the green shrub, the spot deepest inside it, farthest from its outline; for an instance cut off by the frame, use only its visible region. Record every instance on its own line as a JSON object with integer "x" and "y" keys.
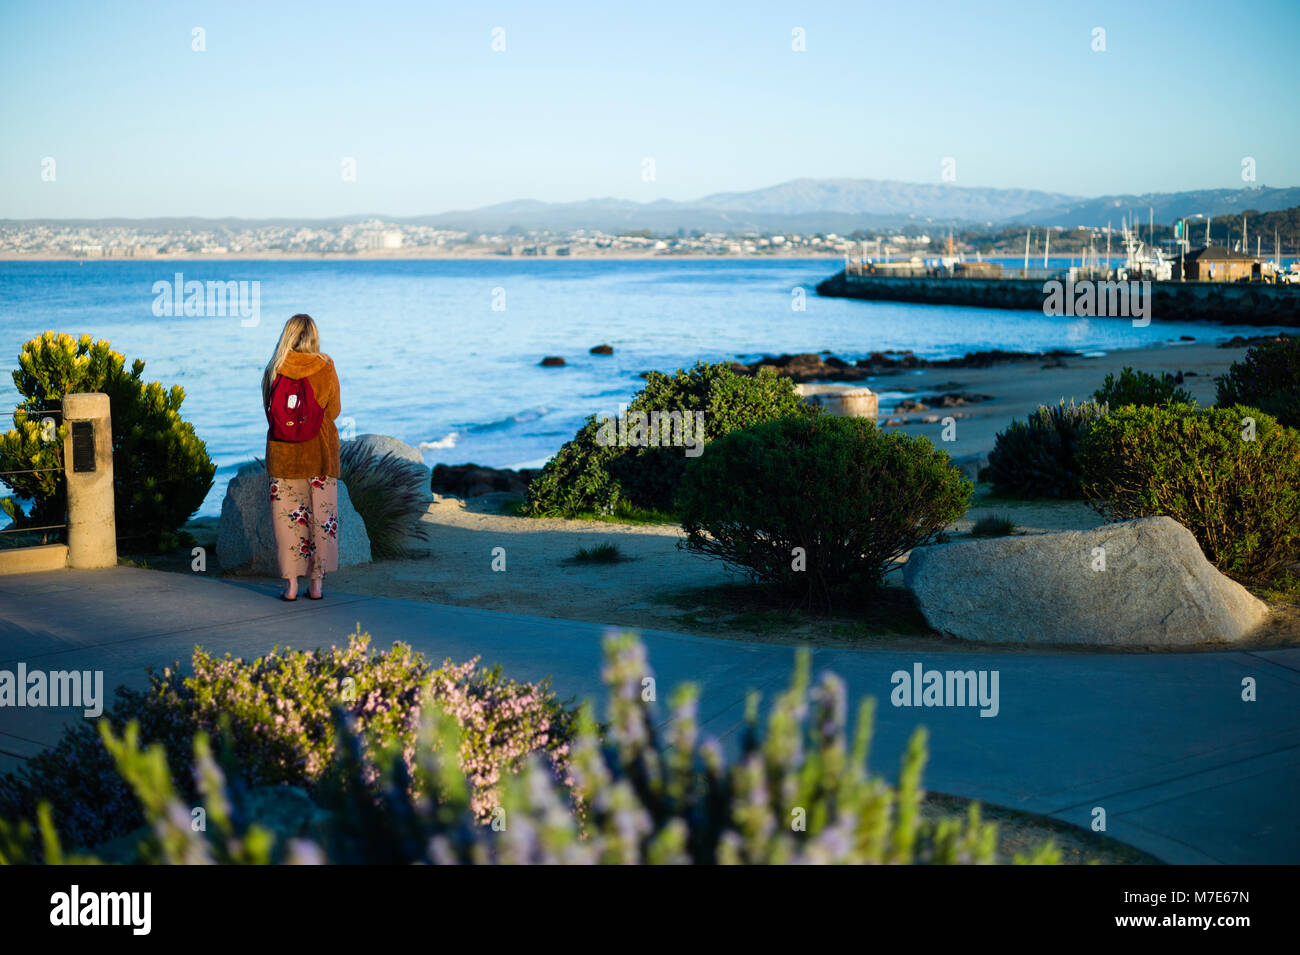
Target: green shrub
{"x": 587, "y": 475}
{"x": 274, "y": 712}
{"x": 1268, "y": 378}
{"x": 1240, "y": 498}
{"x": 1039, "y": 457}
{"x": 161, "y": 470}
{"x": 852, "y": 496}
{"x": 1141, "y": 388}
{"x": 654, "y": 792}
{"x": 390, "y": 493}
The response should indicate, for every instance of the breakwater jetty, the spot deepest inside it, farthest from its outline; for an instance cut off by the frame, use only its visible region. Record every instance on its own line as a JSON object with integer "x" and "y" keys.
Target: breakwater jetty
{"x": 1236, "y": 303}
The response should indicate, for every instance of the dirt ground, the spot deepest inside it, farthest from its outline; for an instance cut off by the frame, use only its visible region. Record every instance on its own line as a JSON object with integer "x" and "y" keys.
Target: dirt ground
{"x": 657, "y": 584}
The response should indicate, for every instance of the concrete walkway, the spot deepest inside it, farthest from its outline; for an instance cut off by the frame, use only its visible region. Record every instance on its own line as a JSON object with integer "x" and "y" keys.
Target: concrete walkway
{"x": 1164, "y": 743}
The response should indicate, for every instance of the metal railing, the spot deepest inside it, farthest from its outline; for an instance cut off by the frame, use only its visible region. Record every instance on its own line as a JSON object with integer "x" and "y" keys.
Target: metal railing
{"x": 47, "y": 417}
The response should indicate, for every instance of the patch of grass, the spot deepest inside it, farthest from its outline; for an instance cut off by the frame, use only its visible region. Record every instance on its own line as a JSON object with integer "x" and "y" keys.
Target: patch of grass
{"x": 993, "y": 525}
{"x": 606, "y": 553}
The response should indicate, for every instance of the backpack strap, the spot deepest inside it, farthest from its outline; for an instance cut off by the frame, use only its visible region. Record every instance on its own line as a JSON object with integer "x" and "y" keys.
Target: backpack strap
{"x": 270, "y": 393}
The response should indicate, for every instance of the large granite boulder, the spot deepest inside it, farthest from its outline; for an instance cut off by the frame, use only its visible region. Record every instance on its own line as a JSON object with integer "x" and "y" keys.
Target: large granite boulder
{"x": 1156, "y": 589}
{"x": 245, "y": 541}
{"x": 377, "y": 445}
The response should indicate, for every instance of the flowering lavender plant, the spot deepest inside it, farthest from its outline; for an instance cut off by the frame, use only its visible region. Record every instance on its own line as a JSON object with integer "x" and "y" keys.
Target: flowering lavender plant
{"x": 799, "y": 792}
{"x": 275, "y": 714}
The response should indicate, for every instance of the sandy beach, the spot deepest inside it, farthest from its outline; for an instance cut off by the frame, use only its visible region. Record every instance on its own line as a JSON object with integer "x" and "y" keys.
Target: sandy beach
{"x": 1017, "y": 389}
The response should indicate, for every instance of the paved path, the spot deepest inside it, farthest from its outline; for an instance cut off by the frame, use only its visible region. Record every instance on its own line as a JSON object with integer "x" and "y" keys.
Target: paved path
{"x": 1163, "y": 742}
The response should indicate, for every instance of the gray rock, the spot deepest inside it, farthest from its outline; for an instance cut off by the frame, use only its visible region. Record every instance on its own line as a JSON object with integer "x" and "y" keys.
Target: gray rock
{"x": 246, "y": 543}
{"x": 1157, "y": 589}
{"x": 380, "y": 444}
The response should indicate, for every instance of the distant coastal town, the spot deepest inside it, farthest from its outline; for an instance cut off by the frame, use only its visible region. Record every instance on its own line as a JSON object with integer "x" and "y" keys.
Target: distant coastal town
{"x": 380, "y": 239}
{"x": 1271, "y": 236}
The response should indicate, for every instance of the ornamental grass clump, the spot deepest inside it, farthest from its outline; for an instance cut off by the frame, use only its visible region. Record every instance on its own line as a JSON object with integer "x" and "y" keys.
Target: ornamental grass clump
{"x": 275, "y": 713}
{"x": 390, "y": 493}
{"x": 993, "y": 525}
{"x": 1231, "y": 476}
{"x": 799, "y": 792}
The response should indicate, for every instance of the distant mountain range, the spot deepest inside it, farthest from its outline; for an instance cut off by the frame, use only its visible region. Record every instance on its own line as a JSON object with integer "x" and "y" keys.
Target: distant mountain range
{"x": 1167, "y": 206}
{"x": 845, "y": 205}
{"x": 802, "y": 205}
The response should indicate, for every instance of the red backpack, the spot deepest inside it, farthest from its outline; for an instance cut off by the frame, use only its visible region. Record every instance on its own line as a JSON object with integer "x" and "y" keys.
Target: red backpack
{"x": 292, "y": 411}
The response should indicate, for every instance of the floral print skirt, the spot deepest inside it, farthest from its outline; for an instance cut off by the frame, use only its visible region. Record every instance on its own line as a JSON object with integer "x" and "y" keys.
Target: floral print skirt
{"x": 305, "y": 515}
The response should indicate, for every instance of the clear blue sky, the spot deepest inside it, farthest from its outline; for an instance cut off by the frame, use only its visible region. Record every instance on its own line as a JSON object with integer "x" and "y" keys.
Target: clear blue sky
{"x": 140, "y": 125}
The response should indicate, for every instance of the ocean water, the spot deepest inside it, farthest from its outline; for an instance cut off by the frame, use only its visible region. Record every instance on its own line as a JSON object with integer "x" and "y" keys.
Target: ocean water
{"x": 423, "y": 354}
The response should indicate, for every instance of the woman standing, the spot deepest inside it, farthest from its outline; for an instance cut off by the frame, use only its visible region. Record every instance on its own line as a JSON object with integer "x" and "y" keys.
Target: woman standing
{"x": 300, "y": 392}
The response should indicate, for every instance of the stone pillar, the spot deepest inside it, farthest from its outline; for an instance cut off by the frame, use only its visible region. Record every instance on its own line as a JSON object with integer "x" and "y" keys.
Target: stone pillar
{"x": 88, "y": 461}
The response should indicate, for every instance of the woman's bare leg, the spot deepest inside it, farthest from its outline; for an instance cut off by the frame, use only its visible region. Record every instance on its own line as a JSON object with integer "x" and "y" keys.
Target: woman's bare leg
{"x": 317, "y": 586}
{"x": 290, "y": 588}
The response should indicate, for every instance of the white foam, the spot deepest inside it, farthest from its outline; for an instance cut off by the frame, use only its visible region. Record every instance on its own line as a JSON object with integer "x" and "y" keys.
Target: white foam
{"x": 442, "y": 444}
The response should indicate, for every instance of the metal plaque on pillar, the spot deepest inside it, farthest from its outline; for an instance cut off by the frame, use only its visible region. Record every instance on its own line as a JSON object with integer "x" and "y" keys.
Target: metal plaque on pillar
{"x": 83, "y": 446}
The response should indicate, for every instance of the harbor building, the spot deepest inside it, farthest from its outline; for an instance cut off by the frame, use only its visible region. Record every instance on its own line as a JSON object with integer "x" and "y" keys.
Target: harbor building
{"x": 1214, "y": 264}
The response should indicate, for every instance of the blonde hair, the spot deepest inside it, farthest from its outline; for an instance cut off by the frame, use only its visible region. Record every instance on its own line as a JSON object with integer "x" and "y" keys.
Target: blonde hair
{"x": 299, "y": 334}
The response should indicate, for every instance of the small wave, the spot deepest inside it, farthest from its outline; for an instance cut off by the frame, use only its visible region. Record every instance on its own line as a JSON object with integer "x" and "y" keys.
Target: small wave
{"x": 441, "y": 444}
{"x": 533, "y": 463}
{"x": 519, "y": 417}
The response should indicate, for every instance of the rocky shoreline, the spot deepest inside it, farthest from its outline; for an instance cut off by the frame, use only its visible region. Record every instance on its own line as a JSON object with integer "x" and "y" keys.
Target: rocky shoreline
{"x": 812, "y": 366}
{"x": 472, "y": 480}
{"x": 996, "y": 387}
